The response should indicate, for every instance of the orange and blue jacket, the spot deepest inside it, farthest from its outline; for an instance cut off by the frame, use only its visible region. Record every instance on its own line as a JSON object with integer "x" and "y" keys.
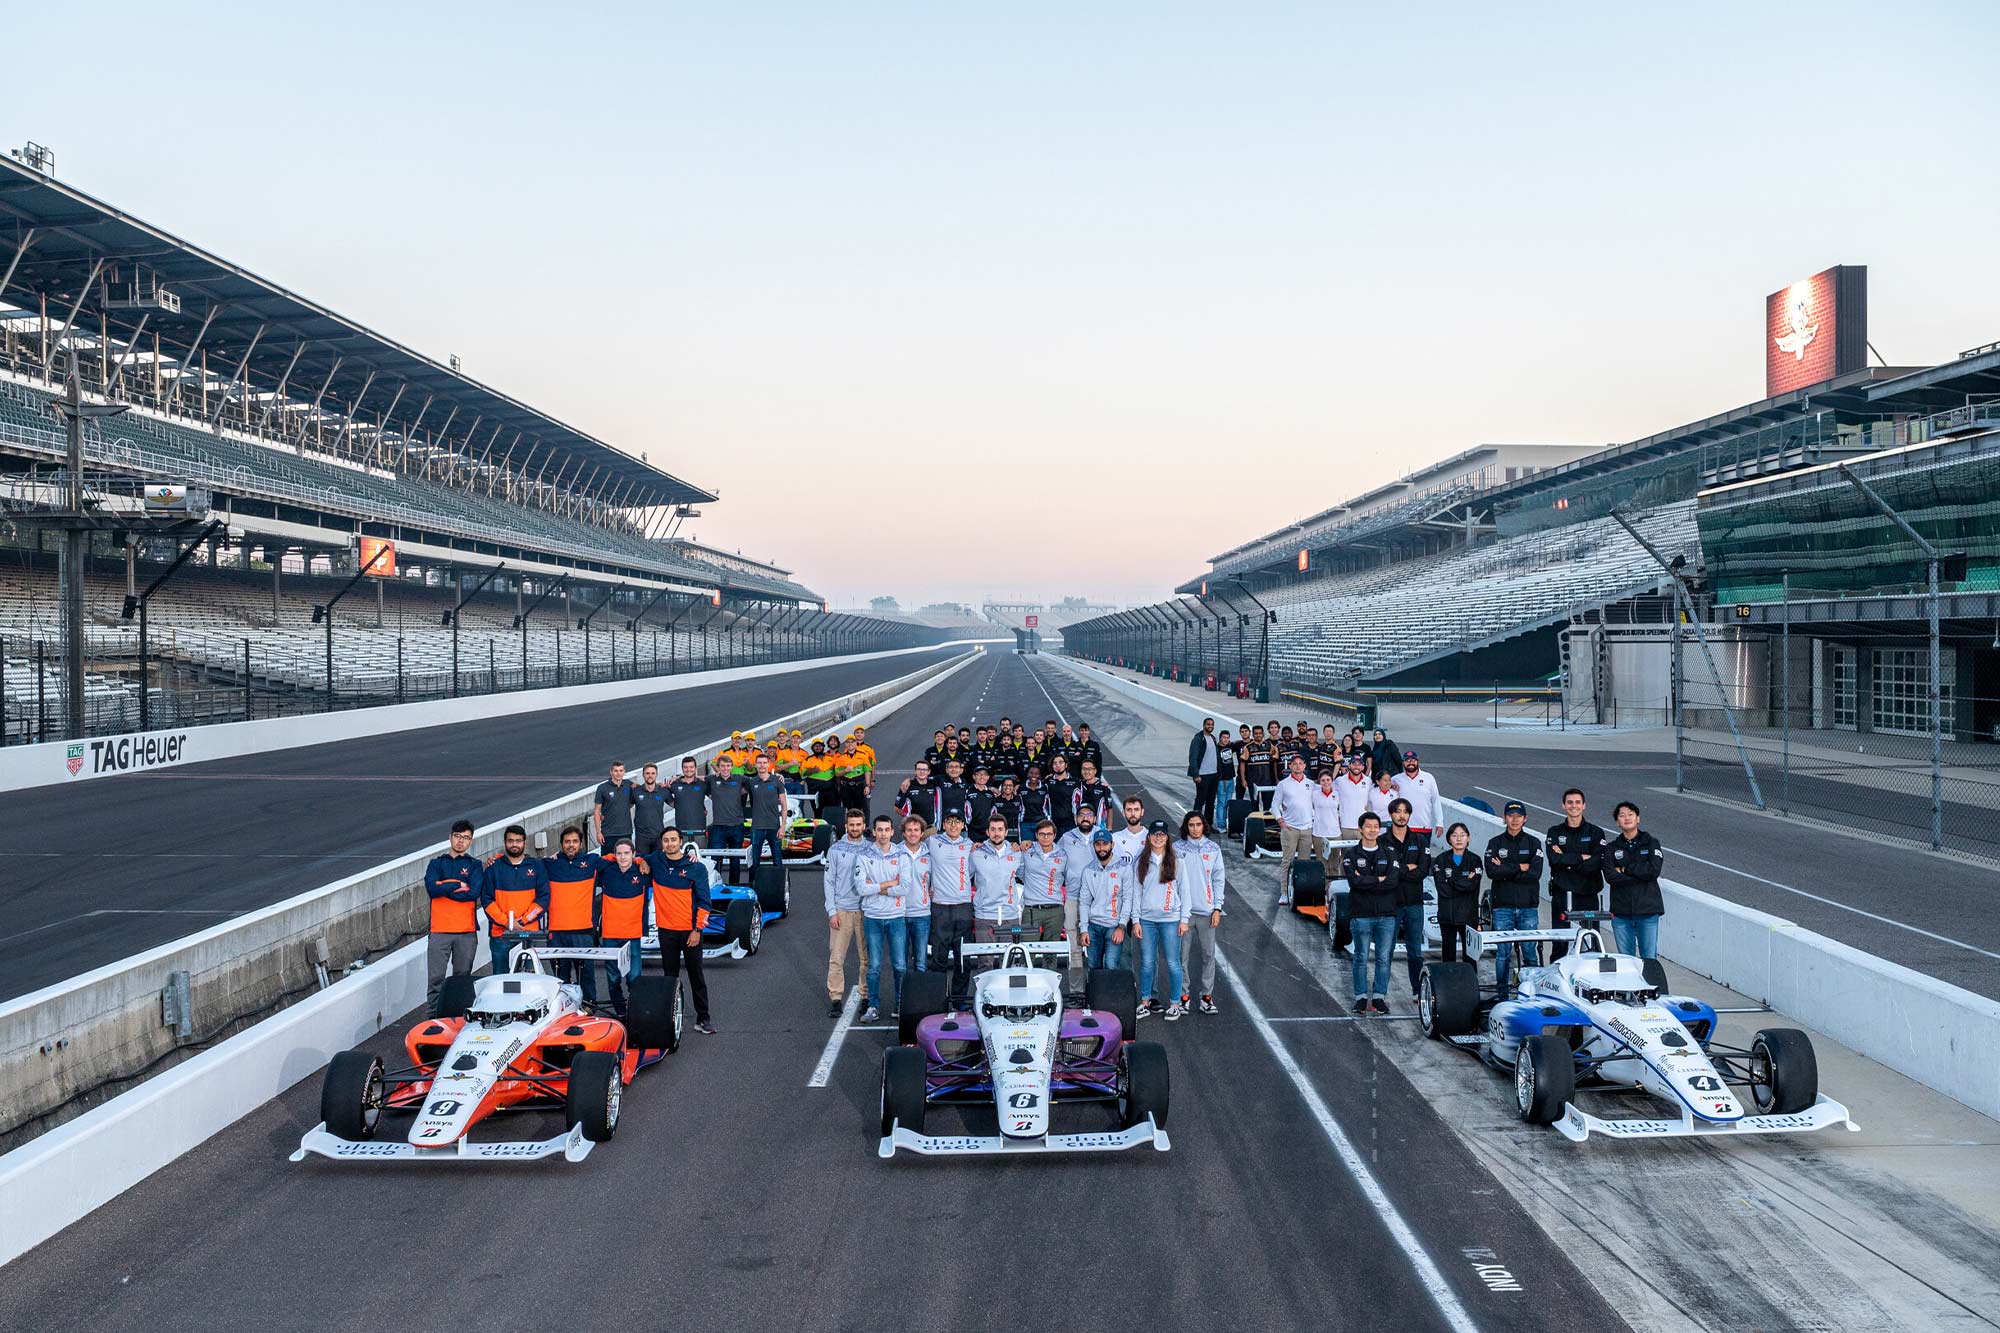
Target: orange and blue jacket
{"x": 621, "y": 901}
{"x": 572, "y": 882}
{"x": 680, "y": 892}
{"x": 454, "y": 884}
{"x": 522, "y": 890}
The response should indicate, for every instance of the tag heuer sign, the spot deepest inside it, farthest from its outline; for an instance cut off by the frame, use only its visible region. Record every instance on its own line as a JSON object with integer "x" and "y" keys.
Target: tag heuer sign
{"x": 166, "y": 499}
{"x": 75, "y": 760}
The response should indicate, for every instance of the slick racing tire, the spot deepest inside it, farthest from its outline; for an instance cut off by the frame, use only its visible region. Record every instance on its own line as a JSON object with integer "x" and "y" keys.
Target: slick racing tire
{"x": 1308, "y": 883}
{"x": 744, "y": 924}
{"x": 822, "y": 837}
{"x": 1146, "y": 1084}
{"x": 596, "y": 1088}
{"x": 351, "y": 1096}
{"x": 654, "y": 1014}
{"x": 455, "y": 996}
{"x": 1656, "y": 974}
{"x": 924, "y": 995}
{"x": 1784, "y": 1072}
{"x": 1114, "y": 991}
{"x": 1544, "y": 1078}
{"x": 774, "y": 889}
{"x": 903, "y": 1089}
{"x": 1448, "y": 1000}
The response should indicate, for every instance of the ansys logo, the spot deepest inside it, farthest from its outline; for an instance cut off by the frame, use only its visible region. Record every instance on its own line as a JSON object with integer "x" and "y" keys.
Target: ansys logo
{"x": 75, "y": 760}
{"x": 1798, "y": 313}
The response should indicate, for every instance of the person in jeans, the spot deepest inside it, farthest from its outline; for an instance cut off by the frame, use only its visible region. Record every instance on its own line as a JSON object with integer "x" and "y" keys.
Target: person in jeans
{"x": 1102, "y": 889}
{"x": 913, "y": 862}
{"x": 878, "y": 882}
{"x": 1632, "y": 864}
{"x": 454, "y": 882}
{"x": 1372, "y": 895}
{"x": 1159, "y": 902}
{"x": 1225, "y": 780}
{"x": 1201, "y": 863}
{"x": 1413, "y": 865}
{"x": 1204, "y": 767}
{"x": 1042, "y": 883}
{"x": 728, "y": 806}
{"x": 1456, "y": 872}
{"x": 1075, "y": 847}
{"x": 680, "y": 910}
{"x": 764, "y": 791}
{"x": 1292, "y": 803}
{"x": 950, "y": 894}
{"x": 1514, "y": 865}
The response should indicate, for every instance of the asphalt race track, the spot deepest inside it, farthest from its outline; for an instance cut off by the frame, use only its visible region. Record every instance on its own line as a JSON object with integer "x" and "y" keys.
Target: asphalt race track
{"x": 105, "y": 869}
{"x": 736, "y": 1197}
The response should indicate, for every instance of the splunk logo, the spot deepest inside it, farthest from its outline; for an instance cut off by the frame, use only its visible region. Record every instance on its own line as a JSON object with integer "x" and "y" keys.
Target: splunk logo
{"x": 125, "y": 754}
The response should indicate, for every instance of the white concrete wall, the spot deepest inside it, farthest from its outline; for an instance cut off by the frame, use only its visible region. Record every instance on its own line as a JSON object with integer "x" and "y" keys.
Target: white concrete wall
{"x": 1171, "y": 705}
{"x": 47, "y": 764}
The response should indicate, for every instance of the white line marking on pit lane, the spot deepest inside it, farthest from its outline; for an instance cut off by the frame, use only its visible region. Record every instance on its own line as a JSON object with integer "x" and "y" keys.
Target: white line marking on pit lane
{"x": 1351, "y": 1018}
{"x": 1428, "y": 1273}
{"x": 1716, "y": 865}
{"x": 824, "y": 1070}
{"x": 1045, "y": 693}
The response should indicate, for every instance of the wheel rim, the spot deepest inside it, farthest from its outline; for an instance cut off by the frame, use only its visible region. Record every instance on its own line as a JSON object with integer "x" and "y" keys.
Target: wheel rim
{"x": 1424, "y": 1003}
{"x": 1524, "y": 1079}
{"x": 680, "y": 1015}
{"x": 756, "y": 929}
{"x": 372, "y": 1099}
{"x": 1761, "y": 1091}
{"x": 614, "y": 1095}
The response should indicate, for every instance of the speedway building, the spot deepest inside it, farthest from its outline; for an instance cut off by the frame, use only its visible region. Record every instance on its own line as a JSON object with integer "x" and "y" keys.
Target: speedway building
{"x": 1529, "y": 567}
{"x": 281, "y": 448}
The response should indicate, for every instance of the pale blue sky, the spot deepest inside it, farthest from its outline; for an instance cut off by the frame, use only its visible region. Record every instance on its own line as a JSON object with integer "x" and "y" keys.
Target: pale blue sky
{"x": 931, "y": 293}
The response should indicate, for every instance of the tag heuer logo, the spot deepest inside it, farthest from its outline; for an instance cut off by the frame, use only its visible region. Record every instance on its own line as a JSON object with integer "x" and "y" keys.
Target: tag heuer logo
{"x": 75, "y": 760}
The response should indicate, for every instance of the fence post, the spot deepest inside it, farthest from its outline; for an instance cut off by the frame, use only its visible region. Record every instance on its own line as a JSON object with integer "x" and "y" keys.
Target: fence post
{"x": 1785, "y": 691}
{"x": 41, "y": 690}
{"x": 492, "y": 675}
{"x": 399, "y": 668}
{"x": 1496, "y": 705}
{"x": 249, "y": 690}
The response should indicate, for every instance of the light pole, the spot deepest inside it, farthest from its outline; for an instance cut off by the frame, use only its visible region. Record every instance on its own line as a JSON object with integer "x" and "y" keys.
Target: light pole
{"x": 324, "y": 613}
{"x": 138, "y": 602}
{"x": 451, "y": 619}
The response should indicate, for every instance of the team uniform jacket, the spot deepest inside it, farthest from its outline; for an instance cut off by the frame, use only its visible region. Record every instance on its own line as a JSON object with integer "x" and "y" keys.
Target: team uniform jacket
{"x": 649, "y": 811}
{"x": 1413, "y": 866}
{"x": 1513, "y": 886}
{"x": 1371, "y": 880}
{"x": 1041, "y": 876}
{"x": 1155, "y": 901}
{"x": 878, "y": 883}
{"x": 1075, "y": 848}
{"x": 728, "y": 802}
{"x": 951, "y": 870}
{"x": 1013, "y": 811}
{"x": 1201, "y": 873}
{"x": 1091, "y": 750}
{"x": 572, "y": 884}
{"x": 1576, "y": 859}
{"x": 1632, "y": 865}
{"x": 680, "y": 893}
{"x": 621, "y": 898}
{"x": 1062, "y": 799}
{"x": 915, "y": 870}
{"x": 1457, "y": 876}
{"x": 921, "y": 800}
{"x": 690, "y": 802}
{"x": 522, "y": 890}
{"x": 1378, "y": 801}
{"x": 1127, "y": 843}
{"x": 454, "y": 884}
{"x": 978, "y": 805}
{"x": 996, "y": 876}
{"x": 1103, "y": 891}
{"x": 614, "y": 807}
{"x": 1353, "y": 799}
{"x": 1096, "y": 797}
{"x": 840, "y": 894}
{"x": 1034, "y": 808}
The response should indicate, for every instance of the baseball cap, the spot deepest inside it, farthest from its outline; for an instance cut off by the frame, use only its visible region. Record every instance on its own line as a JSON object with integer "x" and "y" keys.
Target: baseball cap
{"x": 735, "y": 735}
{"x": 1356, "y": 760}
{"x": 1103, "y": 835}
{"x": 1158, "y": 826}
{"x": 1409, "y": 754}
{"x": 1514, "y": 808}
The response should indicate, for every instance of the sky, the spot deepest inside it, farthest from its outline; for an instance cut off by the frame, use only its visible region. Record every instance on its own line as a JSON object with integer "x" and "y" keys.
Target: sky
{"x": 952, "y": 301}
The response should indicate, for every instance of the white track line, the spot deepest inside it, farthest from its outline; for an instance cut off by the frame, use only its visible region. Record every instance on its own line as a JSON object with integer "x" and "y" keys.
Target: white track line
{"x": 1045, "y": 693}
{"x": 824, "y": 1070}
{"x": 1428, "y": 1273}
{"x": 1858, "y": 911}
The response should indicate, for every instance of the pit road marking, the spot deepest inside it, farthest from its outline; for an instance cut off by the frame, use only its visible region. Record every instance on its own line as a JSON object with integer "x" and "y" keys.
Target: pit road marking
{"x": 824, "y": 1069}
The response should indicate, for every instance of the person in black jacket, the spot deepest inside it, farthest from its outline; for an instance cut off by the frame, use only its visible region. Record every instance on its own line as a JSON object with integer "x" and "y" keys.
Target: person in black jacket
{"x": 1204, "y": 768}
{"x": 1384, "y": 756}
{"x": 1413, "y": 866}
{"x": 1225, "y": 780}
{"x": 1632, "y": 865}
{"x": 1372, "y": 896}
{"x": 1062, "y": 785}
{"x": 1456, "y": 872}
{"x": 1576, "y": 866}
{"x": 1514, "y": 864}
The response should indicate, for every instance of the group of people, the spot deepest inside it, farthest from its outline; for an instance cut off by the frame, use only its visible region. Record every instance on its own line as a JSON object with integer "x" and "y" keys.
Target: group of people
{"x": 1226, "y": 767}
{"x": 967, "y": 857}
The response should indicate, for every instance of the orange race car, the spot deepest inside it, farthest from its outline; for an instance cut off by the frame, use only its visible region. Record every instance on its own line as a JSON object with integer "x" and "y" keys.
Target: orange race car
{"x": 522, "y": 1040}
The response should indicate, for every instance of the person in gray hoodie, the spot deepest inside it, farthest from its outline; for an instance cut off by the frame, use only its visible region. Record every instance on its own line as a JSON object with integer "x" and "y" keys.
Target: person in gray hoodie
{"x": 1100, "y": 885}
{"x": 951, "y": 894}
{"x": 878, "y": 883}
{"x": 843, "y": 914}
{"x": 1201, "y": 866}
{"x": 1076, "y": 853}
{"x": 1042, "y": 882}
{"x": 996, "y": 882}
{"x": 1159, "y": 917}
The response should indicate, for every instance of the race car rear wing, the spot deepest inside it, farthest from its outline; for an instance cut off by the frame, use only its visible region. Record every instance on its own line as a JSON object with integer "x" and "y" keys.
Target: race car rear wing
{"x": 565, "y": 955}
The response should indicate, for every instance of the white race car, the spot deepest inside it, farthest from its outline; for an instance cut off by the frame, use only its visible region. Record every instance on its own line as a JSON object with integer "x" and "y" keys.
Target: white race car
{"x": 1598, "y": 1019}
{"x": 1016, "y": 1047}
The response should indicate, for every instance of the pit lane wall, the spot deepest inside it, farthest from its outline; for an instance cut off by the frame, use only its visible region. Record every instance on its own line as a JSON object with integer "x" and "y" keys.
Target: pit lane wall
{"x": 1939, "y": 1034}
{"x": 57, "y": 763}
{"x": 60, "y": 1044}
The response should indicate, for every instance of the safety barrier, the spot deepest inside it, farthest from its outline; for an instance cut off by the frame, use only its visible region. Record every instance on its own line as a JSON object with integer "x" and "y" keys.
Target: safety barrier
{"x": 1158, "y": 700}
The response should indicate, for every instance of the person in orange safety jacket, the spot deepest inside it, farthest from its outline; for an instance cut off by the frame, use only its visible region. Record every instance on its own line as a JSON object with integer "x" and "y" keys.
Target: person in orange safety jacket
{"x": 572, "y": 909}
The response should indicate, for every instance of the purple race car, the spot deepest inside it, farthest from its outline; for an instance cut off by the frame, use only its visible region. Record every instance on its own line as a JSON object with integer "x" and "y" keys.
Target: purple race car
{"x": 1015, "y": 1045}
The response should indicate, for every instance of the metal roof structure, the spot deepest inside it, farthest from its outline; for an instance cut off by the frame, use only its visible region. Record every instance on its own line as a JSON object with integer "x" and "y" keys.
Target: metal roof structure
{"x": 59, "y": 244}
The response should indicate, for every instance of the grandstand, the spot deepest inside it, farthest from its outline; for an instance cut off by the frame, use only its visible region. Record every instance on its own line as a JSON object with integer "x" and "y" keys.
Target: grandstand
{"x": 304, "y": 433}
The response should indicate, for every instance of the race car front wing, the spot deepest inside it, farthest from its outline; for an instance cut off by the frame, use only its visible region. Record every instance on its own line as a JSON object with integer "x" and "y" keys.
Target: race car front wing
{"x": 572, "y": 1147}
{"x": 973, "y": 1145}
{"x": 1577, "y": 1125}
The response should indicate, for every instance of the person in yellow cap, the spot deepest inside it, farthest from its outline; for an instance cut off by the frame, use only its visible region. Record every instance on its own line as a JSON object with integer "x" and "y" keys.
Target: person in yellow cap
{"x": 791, "y": 762}
{"x": 850, "y": 777}
{"x": 817, "y": 769}
{"x": 861, "y": 747}
{"x": 734, "y": 754}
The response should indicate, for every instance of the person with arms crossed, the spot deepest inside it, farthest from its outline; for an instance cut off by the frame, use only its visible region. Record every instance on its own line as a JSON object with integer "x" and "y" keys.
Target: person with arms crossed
{"x": 1576, "y": 866}
{"x": 454, "y": 880}
{"x": 1514, "y": 867}
{"x": 1204, "y": 767}
{"x": 1632, "y": 863}
{"x": 1413, "y": 866}
{"x": 1457, "y": 872}
{"x": 1372, "y": 896}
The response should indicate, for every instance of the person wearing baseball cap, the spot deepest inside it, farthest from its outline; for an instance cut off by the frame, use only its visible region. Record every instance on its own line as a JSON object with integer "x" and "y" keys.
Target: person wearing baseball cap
{"x": 1101, "y": 886}
{"x": 1420, "y": 789}
{"x": 1514, "y": 867}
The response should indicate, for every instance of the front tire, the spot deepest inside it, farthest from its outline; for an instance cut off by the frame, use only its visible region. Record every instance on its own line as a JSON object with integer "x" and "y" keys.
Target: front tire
{"x": 1448, "y": 999}
{"x": 596, "y": 1089}
{"x": 1784, "y": 1071}
{"x": 1114, "y": 991}
{"x": 903, "y": 1100}
{"x": 1544, "y": 1078}
{"x": 1147, "y": 1084}
{"x": 455, "y": 996}
{"x": 924, "y": 994}
{"x": 352, "y": 1095}
{"x": 745, "y": 924}
{"x": 654, "y": 1015}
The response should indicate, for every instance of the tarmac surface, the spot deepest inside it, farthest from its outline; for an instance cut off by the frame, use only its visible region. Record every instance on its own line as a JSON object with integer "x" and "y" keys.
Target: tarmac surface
{"x": 1310, "y": 1182}
{"x": 105, "y": 869}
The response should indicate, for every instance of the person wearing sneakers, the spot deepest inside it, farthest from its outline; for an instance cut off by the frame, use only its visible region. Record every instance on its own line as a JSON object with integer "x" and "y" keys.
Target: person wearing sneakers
{"x": 1292, "y": 803}
{"x": 1201, "y": 864}
{"x": 1372, "y": 878}
{"x": 1075, "y": 847}
{"x": 950, "y": 894}
{"x": 878, "y": 882}
{"x": 843, "y": 915}
{"x": 913, "y": 862}
{"x": 1159, "y": 917}
{"x": 1101, "y": 886}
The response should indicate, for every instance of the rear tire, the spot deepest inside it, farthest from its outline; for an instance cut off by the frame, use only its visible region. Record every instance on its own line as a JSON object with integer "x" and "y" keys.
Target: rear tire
{"x": 351, "y": 1095}
{"x": 1114, "y": 991}
{"x": 745, "y": 924}
{"x": 925, "y": 994}
{"x": 1147, "y": 1084}
{"x": 596, "y": 1088}
{"x": 1448, "y": 999}
{"x": 1308, "y": 883}
{"x": 1544, "y": 1078}
{"x": 653, "y": 1014}
{"x": 822, "y": 838}
{"x": 774, "y": 893}
{"x": 455, "y": 996}
{"x": 903, "y": 1098}
{"x": 1656, "y": 974}
{"x": 1784, "y": 1056}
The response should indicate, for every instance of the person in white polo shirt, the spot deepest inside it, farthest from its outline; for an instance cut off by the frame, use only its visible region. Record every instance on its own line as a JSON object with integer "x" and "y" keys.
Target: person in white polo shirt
{"x": 1420, "y": 789}
{"x": 1292, "y": 803}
